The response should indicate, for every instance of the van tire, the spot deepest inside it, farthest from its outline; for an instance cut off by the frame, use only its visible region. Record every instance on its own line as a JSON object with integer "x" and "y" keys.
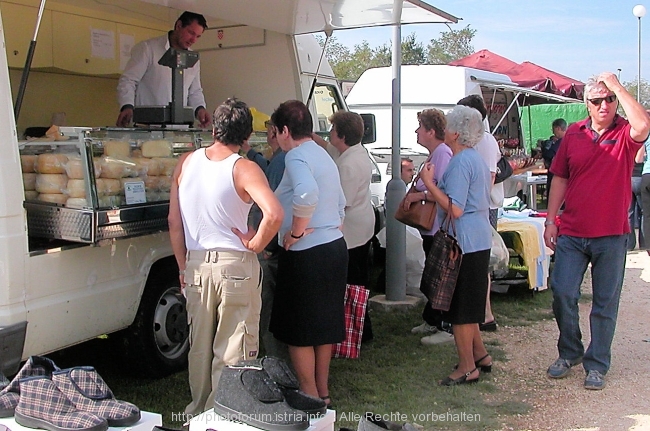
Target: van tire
{"x": 157, "y": 342}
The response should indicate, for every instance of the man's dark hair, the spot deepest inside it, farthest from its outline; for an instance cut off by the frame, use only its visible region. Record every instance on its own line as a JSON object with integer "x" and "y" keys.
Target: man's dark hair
{"x": 349, "y": 126}
{"x": 232, "y": 122}
{"x": 474, "y": 101}
{"x": 188, "y": 18}
{"x": 560, "y": 122}
{"x": 295, "y": 115}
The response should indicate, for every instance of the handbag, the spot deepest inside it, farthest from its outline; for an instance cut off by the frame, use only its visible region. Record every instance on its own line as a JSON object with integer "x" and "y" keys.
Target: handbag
{"x": 442, "y": 266}
{"x": 504, "y": 170}
{"x": 355, "y": 303}
{"x": 421, "y": 214}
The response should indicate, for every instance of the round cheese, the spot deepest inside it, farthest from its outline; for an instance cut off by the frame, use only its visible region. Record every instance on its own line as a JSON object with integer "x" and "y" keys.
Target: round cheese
{"x": 164, "y": 183}
{"x": 28, "y": 162}
{"x": 151, "y": 183}
{"x": 117, "y": 149}
{"x": 167, "y": 165}
{"x": 29, "y": 181}
{"x": 51, "y": 163}
{"x": 74, "y": 168}
{"x": 30, "y": 195}
{"x": 108, "y": 187}
{"x": 156, "y": 149}
{"x": 51, "y": 183}
{"x": 55, "y": 198}
{"x": 76, "y": 203}
{"x": 76, "y": 188}
{"x": 114, "y": 167}
{"x": 110, "y": 201}
{"x": 146, "y": 166}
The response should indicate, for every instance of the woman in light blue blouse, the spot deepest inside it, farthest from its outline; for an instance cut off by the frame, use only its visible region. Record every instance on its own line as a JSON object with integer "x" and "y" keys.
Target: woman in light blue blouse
{"x": 308, "y": 310}
{"x": 465, "y": 191}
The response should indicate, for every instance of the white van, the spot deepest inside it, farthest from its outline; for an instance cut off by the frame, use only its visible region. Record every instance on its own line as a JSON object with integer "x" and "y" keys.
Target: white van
{"x": 84, "y": 248}
{"x": 441, "y": 87}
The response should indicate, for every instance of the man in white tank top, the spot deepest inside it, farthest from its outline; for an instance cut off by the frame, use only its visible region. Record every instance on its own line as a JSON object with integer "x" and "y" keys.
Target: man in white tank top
{"x": 212, "y": 191}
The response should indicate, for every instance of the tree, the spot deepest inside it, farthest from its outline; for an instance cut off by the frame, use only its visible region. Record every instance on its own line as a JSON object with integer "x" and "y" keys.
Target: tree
{"x": 451, "y": 45}
{"x": 632, "y": 86}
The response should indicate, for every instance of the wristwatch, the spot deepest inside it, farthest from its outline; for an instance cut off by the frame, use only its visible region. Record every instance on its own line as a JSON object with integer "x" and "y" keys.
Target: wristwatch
{"x": 549, "y": 222}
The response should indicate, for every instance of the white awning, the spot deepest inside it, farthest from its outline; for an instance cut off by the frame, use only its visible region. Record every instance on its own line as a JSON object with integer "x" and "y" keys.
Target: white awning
{"x": 310, "y": 16}
{"x": 527, "y": 92}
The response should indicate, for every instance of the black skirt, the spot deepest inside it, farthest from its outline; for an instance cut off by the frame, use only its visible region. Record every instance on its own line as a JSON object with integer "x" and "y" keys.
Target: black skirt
{"x": 310, "y": 289}
{"x": 470, "y": 295}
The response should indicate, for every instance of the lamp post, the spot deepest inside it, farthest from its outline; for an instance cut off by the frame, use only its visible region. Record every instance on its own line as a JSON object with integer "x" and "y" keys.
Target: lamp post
{"x": 639, "y": 12}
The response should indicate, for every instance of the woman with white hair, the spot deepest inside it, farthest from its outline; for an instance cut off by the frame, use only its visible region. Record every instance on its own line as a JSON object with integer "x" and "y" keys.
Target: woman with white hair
{"x": 465, "y": 191}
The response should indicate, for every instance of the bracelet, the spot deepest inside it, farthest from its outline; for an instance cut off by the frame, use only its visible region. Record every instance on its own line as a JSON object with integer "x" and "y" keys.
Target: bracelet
{"x": 181, "y": 272}
{"x": 297, "y": 236}
{"x": 549, "y": 223}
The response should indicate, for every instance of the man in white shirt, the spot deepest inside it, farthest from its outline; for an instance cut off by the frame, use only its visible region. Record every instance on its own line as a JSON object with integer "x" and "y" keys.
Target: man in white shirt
{"x": 145, "y": 82}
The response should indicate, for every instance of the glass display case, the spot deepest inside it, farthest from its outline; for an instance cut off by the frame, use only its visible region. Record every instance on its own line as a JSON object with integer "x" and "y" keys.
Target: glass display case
{"x": 90, "y": 185}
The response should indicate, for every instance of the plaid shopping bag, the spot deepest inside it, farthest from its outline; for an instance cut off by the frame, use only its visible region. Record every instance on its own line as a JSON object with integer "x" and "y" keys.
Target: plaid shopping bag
{"x": 442, "y": 266}
{"x": 356, "y": 300}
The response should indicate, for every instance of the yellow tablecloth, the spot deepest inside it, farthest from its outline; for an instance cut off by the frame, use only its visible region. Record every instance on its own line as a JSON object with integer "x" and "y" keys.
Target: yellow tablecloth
{"x": 526, "y": 244}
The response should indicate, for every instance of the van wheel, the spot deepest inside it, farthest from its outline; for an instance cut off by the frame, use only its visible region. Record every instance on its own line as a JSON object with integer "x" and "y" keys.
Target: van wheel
{"x": 158, "y": 341}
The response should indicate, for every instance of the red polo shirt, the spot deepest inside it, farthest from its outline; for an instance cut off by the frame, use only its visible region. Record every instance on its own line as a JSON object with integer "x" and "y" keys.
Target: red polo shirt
{"x": 598, "y": 169}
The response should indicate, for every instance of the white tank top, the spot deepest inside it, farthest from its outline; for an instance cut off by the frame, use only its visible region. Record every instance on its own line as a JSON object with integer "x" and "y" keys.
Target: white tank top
{"x": 210, "y": 205}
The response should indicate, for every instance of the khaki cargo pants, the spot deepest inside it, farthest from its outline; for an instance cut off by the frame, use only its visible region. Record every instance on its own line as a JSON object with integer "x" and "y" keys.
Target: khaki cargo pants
{"x": 223, "y": 307}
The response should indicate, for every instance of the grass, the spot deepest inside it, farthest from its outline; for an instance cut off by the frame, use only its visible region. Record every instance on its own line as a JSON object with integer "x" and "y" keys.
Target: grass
{"x": 395, "y": 376}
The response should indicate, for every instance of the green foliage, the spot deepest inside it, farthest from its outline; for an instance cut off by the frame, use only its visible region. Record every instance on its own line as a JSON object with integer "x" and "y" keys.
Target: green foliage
{"x": 451, "y": 45}
{"x": 349, "y": 64}
{"x": 632, "y": 88}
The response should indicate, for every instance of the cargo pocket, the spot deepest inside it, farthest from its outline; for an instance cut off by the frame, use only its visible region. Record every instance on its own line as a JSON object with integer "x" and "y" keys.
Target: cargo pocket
{"x": 236, "y": 290}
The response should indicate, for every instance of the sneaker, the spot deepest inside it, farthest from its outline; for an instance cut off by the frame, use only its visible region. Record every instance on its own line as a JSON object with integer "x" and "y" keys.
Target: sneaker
{"x": 424, "y": 328}
{"x": 437, "y": 338}
{"x": 594, "y": 380}
{"x": 561, "y": 367}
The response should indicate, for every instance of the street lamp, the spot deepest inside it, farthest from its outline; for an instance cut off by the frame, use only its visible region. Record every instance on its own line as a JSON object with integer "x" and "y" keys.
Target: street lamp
{"x": 639, "y": 12}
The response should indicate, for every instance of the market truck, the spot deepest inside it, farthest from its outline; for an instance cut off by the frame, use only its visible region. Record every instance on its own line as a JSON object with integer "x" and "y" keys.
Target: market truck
{"x": 441, "y": 87}
{"x": 84, "y": 248}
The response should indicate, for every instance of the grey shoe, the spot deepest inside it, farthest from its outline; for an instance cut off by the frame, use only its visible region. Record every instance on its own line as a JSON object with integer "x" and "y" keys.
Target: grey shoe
{"x": 561, "y": 367}
{"x": 424, "y": 329}
{"x": 594, "y": 380}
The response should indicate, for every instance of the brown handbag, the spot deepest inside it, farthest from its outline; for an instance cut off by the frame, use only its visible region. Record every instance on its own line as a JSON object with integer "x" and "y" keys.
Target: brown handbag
{"x": 442, "y": 265}
{"x": 421, "y": 214}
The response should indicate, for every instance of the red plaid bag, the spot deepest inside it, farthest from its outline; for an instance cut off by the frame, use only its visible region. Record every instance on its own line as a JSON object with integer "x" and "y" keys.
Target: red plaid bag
{"x": 356, "y": 301}
{"x": 442, "y": 266}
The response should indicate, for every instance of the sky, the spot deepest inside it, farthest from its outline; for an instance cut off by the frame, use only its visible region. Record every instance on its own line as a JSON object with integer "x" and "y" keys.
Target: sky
{"x": 577, "y": 38}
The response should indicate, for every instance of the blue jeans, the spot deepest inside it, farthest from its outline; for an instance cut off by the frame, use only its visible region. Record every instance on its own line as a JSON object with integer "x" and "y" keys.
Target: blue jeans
{"x": 607, "y": 258}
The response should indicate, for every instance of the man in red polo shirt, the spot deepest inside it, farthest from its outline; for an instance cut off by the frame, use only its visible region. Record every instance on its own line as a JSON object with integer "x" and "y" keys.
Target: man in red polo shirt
{"x": 592, "y": 172}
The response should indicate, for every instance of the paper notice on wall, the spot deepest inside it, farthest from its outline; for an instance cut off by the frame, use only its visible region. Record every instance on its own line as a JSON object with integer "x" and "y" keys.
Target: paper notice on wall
{"x": 126, "y": 44}
{"x": 103, "y": 43}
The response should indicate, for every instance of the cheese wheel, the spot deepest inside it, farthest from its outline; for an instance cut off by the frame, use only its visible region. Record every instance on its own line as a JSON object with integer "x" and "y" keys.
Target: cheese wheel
{"x": 51, "y": 163}
{"x": 74, "y": 168}
{"x": 76, "y": 203}
{"x": 55, "y": 198}
{"x": 51, "y": 183}
{"x": 29, "y": 181}
{"x": 117, "y": 149}
{"x": 164, "y": 183}
{"x": 30, "y": 195}
{"x": 156, "y": 149}
{"x": 28, "y": 163}
{"x": 146, "y": 166}
{"x": 163, "y": 196}
{"x": 136, "y": 152}
{"x": 76, "y": 188}
{"x": 114, "y": 167}
{"x": 151, "y": 183}
{"x": 110, "y": 201}
{"x": 108, "y": 187}
{"x": 167, "y": 165}
{"x": 152, "y": 196}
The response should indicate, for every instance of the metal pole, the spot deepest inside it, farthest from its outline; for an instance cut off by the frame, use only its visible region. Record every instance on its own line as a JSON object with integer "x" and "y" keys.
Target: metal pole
{"x": 638, "y": 78}
{"x": 395, "y": 189}
{"x": 28, "y": 64}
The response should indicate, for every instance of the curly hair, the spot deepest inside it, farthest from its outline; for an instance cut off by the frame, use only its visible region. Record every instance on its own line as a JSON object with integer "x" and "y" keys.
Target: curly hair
{"x": 232, "y": 122}
{"x": 467, "y": 122}
{"x": 434, "y": 119}
{"x": 349, "y": 126}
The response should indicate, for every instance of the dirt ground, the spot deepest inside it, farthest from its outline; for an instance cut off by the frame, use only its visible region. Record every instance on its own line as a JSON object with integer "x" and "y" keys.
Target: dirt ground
{"x": 564, "y": 404}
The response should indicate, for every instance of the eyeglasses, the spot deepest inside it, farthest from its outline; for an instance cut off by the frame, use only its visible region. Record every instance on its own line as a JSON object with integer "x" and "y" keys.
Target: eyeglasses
{"x": 598, "y": 100}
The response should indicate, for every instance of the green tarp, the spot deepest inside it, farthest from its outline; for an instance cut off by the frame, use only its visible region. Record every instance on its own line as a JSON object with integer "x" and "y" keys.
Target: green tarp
{"x": 536, "y": 120}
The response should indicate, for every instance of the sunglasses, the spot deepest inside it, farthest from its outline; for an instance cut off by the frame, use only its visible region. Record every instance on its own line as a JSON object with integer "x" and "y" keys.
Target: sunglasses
{"x": 598, "y": 100}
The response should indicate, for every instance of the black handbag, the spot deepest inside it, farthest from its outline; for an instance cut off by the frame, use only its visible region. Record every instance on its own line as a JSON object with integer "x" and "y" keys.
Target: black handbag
{"x": 442, "y": 265}
{"x": 504, "y": 170}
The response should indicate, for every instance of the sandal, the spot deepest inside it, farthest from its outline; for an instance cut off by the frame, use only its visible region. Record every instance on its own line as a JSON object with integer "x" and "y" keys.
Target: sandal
{"x": 462, "y": 380}
{"x": 486, "y": 368}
